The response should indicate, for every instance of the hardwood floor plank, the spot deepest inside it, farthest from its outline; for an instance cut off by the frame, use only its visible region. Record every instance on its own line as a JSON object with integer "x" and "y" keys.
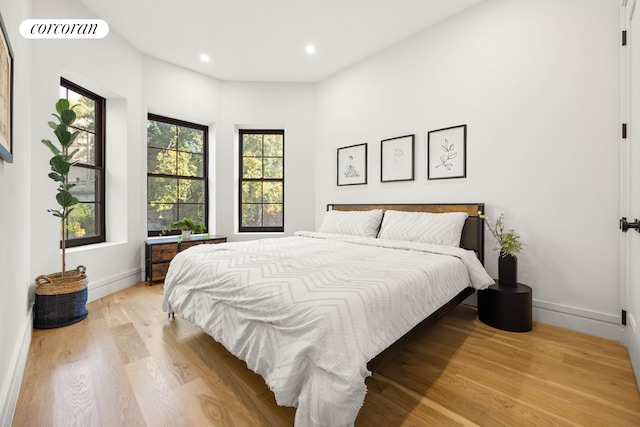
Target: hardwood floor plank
{"x": 384, "y": 412}
{"x": 206, "y": 406}
{"x": 156, "y": 399}
{"x": 527, "y": 391}
{"x": 110, "y": 378}
{"x": 113, "y": 309}
{"x": 224, "y": 372}
{"x": 175, "y": 368}
{"x": 130, "y": 345}
{"x": 128, "y": 365}
{"x": 74, "y": 398}
{"x": 36, "y": 404}
{"x": 427, "y": 410}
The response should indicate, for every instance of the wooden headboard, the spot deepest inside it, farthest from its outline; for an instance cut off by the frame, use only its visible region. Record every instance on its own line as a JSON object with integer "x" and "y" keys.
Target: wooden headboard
{"x": 472, "y": 233}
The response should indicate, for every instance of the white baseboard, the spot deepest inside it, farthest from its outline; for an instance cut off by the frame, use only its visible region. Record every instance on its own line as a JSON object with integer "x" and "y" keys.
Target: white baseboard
{"x": 576, "y": 319}
{"x": 11, "y": 389}
{"x": 114, "y": 284}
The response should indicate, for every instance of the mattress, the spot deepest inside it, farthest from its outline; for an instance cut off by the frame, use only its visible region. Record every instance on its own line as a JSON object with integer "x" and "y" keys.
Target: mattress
{"x": 307, "y": 312}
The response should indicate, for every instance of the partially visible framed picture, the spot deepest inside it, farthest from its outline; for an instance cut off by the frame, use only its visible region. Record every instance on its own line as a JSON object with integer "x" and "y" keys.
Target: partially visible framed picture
{"x": 352, "y": 165}
{"x": 6, "y": 96}
{"x": 447, "y": 153}
{"x": 396, "y": 159}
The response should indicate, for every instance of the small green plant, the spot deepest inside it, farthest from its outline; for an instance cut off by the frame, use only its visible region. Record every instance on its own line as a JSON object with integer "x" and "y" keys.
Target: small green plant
{"x": 185, "y": 223}
{"x": 61, "y": 163}
{"x": 509, "y": 241}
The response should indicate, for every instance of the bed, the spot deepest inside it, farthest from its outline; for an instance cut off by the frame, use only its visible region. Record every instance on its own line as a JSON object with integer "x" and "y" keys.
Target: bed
{"x": 311, "y": 313}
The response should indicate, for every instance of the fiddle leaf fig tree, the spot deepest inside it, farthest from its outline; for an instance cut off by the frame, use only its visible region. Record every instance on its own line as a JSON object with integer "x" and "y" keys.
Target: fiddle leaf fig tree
{"x": 61, "y": 163}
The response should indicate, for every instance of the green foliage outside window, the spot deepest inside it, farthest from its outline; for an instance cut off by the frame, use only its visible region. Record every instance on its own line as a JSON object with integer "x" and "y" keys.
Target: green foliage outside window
{"x": 176, "y": 178}
{"x": 85, "y": 175}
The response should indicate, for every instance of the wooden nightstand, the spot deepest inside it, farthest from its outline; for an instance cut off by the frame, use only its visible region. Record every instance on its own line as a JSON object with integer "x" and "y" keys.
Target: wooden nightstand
{"x": 160, "y": 252}
{"x": 509, "y": 308}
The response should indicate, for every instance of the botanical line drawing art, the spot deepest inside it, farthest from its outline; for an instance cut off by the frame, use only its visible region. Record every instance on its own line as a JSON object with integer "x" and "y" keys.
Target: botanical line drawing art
{"x": 396, "y": 159}
{"x": 398, "y": 155}
{"x": 448, "y": 156}
{"x": 351, "y": 171}
{"x": 447, "y": 153}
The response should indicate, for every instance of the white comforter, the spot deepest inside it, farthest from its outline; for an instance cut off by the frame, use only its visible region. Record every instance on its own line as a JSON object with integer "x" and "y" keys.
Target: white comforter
{"x": 308, "y": 312}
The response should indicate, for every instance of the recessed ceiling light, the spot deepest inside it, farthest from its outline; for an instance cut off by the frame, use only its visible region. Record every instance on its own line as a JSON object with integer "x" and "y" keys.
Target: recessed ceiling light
{"x": 204, "y": 58}
{"x": 311, "y": 49}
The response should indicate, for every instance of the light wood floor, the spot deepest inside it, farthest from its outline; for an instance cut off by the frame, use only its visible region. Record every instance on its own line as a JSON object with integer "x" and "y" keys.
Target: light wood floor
{"x": 127, "y": 365}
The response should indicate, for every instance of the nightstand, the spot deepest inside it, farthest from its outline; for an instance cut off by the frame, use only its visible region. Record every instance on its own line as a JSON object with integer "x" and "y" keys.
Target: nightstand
{"x": 160, "y": 252}
{"x": 509, "y": 308}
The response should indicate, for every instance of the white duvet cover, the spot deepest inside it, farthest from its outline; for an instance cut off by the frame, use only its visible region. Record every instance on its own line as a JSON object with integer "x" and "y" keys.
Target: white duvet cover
{"x": 308, "y": 312}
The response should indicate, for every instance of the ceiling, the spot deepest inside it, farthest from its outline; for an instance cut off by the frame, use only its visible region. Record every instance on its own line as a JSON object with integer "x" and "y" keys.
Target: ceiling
{"x": 265, "y": 40}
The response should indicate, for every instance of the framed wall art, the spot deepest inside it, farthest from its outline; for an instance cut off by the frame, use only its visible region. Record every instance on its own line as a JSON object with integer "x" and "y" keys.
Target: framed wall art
{"x": 6, "y": 96}
{"x": 447, "y": 153}
{"x": 396, "y": 159}
{"x": 352, "y": 165}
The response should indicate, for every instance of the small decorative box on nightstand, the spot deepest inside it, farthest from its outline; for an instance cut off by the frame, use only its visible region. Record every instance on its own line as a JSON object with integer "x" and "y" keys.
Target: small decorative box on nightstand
{"x": 508, "y": 308}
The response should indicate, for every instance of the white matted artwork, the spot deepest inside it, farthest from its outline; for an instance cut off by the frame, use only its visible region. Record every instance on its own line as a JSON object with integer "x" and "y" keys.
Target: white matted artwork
{"x": 447, "y": 153}
{"x": 352, "y": 165}
{"x": 396, "y": 159}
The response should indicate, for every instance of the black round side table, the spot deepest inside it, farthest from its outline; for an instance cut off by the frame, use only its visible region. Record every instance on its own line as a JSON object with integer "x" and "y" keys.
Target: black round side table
{"x": 506, "y": 307}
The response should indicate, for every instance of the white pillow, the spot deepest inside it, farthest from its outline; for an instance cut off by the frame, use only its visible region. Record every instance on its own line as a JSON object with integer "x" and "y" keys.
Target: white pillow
{"x": 356, "y": 223}
{"x": 424, "y": 227}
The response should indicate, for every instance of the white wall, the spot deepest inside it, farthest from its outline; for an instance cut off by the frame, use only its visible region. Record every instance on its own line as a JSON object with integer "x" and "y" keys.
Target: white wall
{"x": 288, "y": 106}
{"x": 15, "y": 327}
{"x": 225, "y": 107}
{"x": 537, "y": 83}
{"x": 176, "y": 92}
{"x": 110, "y": 67}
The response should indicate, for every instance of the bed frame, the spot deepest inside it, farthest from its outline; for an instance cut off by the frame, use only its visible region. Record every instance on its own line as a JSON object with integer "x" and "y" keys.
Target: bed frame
{"x": 472, "y": 239}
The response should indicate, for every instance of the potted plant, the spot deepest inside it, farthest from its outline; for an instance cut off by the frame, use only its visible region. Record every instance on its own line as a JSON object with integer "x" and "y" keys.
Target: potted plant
{"x": 187, "y": 225}
{"x": 510, "y": 245}
{"x": 61, "y": 297}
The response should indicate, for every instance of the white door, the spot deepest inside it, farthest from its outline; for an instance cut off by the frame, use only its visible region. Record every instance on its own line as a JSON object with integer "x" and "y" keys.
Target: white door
{"x": 630, "y": 167}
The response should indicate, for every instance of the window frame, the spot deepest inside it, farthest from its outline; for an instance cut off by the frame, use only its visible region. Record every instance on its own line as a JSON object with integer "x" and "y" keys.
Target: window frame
{"x": 241, "y": 180}
{"x": 99, "y": 167}
{"x": 205, "y": 170}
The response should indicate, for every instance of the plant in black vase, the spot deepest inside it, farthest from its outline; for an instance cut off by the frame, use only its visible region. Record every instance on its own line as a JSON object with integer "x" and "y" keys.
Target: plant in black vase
{"x": 510, "y": 245}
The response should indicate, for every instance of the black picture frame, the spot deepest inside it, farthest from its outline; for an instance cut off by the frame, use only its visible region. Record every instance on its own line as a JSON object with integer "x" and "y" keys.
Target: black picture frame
{"x": 6, "y": 95}
{"x": 447, "y": 153}
{"x": 352, "y": 165}
{"x": 397, "y": 162}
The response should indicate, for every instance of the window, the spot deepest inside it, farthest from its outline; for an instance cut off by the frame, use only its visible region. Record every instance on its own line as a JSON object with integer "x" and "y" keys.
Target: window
{"x": 262, "y": 180}
{"x": 176, "y": 172}
{"x": 86, "y": 221}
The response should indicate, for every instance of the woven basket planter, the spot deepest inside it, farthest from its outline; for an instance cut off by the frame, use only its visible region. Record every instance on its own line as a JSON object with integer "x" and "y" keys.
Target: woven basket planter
{"x": 60, "y": 301}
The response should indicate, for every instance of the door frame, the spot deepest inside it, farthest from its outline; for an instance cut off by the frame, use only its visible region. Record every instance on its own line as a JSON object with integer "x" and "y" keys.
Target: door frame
{"x": 630, "y": 199}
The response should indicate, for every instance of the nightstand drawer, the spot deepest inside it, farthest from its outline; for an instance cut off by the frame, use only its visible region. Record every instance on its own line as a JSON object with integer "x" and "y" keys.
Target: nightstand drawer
{"x": 216, "y": 241}
{"x": 186, "y": 244}
{"x": 163, "y": 252}
{"x": 159, "y": 271}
